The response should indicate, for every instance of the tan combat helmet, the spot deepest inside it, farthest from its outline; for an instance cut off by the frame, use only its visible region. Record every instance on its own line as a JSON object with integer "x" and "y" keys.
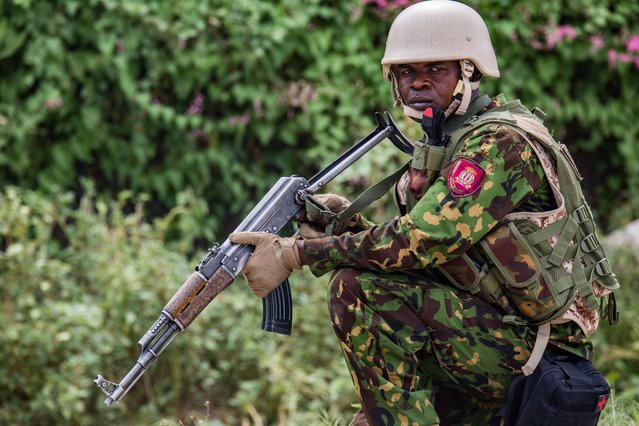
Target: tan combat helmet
{"x": 440, "y": 30}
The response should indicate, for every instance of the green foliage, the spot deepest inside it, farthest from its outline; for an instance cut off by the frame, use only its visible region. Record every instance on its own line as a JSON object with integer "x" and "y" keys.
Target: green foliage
{"x": 579, "y": 62}
{"x": 201, "y": 105}
{"x": 618, "y": 346}
{"x": 621, "y": 411}
{"x": 80, "y": 287}
{"x": 221, "y": 96}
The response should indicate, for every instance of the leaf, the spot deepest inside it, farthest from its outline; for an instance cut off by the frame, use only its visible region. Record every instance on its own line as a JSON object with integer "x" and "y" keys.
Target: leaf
{"x": 10, "y": 41}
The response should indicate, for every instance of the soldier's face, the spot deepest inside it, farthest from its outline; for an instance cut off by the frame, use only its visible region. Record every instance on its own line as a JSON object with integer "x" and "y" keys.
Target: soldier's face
{"x": 427, "y": 83}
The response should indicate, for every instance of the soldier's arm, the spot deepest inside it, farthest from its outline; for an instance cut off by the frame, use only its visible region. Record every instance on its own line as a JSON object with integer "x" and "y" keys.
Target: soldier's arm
{"x": 493, "y": 173}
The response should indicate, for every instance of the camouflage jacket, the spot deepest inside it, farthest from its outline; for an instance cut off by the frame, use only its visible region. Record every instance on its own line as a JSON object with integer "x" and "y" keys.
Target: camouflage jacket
{"x": 495, "y": 172}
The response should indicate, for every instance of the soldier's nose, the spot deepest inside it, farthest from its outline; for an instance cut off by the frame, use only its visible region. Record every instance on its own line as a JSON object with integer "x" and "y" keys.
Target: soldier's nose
{"x": 420, "y": 82}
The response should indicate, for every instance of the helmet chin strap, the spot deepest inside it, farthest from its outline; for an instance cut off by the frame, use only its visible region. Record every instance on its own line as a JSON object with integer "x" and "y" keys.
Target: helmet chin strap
{"x": 461, "y": 95}
{"x": 468, "y": 68}
{"x": 413, "y": 113}
{"x": 463, "y": 91}
{"x": 398, "y": 100}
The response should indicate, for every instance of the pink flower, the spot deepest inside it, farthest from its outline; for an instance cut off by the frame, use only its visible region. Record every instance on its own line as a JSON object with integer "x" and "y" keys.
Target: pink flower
{"x": 53, "y": 103}
{"x": 536, "y": 44}
{"x": 241, "y": 119}
{"x": 597, "y": 42}
{"x": 552, "y": 40}
{"x": 257, "y": 108}
{"x": 560, "y": 33}
{"x": 625, "y": 58}
{"x": 633, "y": 43}
{"x": 196, "y": 106}
{"x": 566, "y": 31}
{"x": 612, "y": 56}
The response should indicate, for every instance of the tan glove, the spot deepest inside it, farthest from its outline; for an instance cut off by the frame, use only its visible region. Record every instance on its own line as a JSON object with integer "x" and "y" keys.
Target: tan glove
{"x": 272, "y": 261}
{"x": 314, "y": 223}
{"x": 333, "y": 202}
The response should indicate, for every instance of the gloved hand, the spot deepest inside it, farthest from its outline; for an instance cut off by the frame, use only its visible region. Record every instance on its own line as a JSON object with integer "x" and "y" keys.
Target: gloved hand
{"x": 272, "y": 261}
{"x": 321, "y": 210}
{"x": 333, "y": 202}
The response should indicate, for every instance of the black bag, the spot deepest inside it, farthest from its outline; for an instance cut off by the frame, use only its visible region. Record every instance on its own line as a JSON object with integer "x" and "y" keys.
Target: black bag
{"x": 564, "y": 390}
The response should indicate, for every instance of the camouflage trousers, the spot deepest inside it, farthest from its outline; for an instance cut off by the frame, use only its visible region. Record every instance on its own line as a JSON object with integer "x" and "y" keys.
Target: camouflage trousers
{"x": 420, "y": 352}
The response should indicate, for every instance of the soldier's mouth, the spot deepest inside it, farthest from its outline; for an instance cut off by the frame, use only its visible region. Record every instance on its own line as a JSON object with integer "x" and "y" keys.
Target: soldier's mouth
{"x": 420, "y": 103}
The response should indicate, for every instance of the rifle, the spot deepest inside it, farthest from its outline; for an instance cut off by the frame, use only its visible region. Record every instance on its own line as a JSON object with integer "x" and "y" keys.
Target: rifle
{"x": 283, "y": 203}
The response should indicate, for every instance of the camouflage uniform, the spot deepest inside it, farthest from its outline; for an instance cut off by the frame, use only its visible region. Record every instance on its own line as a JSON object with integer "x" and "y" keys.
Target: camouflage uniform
{"x": 421, "y": 351}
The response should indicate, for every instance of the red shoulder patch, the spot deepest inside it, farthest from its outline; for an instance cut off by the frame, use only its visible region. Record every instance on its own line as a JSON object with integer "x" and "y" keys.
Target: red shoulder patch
{"x": 465, "y": 177}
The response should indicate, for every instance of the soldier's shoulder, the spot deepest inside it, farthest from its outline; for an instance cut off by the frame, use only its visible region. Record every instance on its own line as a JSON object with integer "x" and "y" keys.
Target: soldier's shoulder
{"x": 498, "y": 131}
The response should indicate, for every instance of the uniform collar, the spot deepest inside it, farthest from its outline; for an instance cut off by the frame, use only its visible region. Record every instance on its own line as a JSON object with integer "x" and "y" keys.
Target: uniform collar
{"x": 474, "y": 108}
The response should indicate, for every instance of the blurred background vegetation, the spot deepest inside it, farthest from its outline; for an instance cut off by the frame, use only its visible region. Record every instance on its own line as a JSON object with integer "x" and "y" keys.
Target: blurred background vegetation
{"x": 134, "y": 133}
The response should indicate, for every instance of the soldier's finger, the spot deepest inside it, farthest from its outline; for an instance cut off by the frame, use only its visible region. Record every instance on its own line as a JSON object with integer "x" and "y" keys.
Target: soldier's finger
{"x": 253, "y": 238}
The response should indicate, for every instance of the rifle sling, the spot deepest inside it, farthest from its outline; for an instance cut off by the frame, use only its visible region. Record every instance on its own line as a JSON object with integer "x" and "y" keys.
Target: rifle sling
{"x": 371, "y": 194}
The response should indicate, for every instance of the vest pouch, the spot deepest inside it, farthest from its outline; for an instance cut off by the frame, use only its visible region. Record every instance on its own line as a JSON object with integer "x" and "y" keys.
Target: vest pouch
{"x": 517, "y": 268}
{"x": 424, "y": 169}
{"x": 462, "y": 272}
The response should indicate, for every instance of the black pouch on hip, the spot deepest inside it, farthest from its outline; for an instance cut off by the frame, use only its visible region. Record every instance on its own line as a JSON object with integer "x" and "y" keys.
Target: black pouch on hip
{"x": 564, "y": 390}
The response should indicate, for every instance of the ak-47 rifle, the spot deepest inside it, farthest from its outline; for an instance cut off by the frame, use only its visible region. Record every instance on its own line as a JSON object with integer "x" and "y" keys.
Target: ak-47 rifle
{"x": 283, "y": 203}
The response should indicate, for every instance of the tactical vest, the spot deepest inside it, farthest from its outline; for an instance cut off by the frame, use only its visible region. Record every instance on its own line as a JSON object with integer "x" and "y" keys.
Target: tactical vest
{"x": 540, "y": 267}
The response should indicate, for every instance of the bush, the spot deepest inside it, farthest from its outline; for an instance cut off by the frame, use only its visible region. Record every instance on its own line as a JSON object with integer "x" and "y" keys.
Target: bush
{"x": 222, "y": 97}
{"x": 202, "y": 105}
{"x": 579, "y": 62}
{"x": 82, "y": 286}
{"x": 618, "y": 346}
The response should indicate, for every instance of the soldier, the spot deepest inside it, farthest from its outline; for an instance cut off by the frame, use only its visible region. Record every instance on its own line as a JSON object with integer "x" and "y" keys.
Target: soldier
{"x": 436, "y": 310}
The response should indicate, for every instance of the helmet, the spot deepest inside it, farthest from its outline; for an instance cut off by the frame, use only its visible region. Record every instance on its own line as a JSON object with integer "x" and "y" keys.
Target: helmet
{"x": 440, "y": 30}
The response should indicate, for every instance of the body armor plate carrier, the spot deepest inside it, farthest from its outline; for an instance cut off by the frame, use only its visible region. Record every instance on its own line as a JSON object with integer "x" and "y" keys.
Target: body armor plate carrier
{"x": 549, "y": 265}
